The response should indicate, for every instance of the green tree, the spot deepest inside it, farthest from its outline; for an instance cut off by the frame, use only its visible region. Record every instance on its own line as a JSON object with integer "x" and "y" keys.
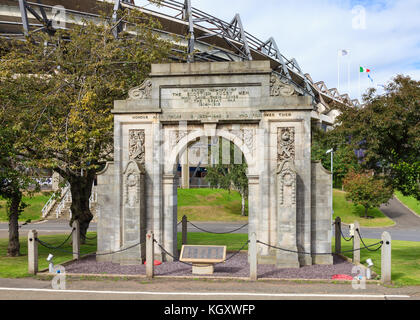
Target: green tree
{"x": 366, "y": 190}
{"x": 345, "y": 158}
{"x": 230, "y": 176}
{"x": 13, "y": 182}
{"x": 387, "y": 128}
{"x": 61, "y": 90}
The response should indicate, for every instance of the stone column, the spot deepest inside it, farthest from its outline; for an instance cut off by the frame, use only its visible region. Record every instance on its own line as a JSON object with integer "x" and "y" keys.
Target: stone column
{"x": 133, "y": 213}
{"x": 303, "y": 168}
{"x": 185, "y": 170}
{"x": 253, "y": 203}
{"x": 32, "y": 252}
{"x": 56, "y": 179}
{"x": 286, "y": 216}
{"x": 170, "y": 215}
{"x": 76, "y": 239}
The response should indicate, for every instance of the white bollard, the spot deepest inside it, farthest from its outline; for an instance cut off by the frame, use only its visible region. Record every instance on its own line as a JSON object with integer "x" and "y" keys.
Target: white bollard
{"x": 150, "y": 255}
{"x": 356, "y": 243}
{"x": 386, "y": 258}
{"x": 32, "y": 252}
{"x": 253, "y": 274}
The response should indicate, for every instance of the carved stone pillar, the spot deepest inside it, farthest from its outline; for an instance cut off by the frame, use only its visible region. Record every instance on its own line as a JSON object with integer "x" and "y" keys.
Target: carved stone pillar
{"x": 133, "y": 213}
{"x": 286, "y": 199}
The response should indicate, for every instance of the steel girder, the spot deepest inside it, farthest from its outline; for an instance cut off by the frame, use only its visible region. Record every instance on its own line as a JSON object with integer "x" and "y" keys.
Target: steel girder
{"x": 202, "y": 26}
{"x": 26, "y": 7}
{"x": 118, "y": 27}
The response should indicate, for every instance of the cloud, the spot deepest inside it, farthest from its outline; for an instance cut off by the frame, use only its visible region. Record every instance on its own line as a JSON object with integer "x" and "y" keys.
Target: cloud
{"x": 314, "y": 31}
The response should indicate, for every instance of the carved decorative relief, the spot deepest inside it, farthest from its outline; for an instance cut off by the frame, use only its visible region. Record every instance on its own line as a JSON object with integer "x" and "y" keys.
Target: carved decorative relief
{"x": 144, "y": 91}
{"x": 248, "y": 138}
{"x": 136, "y": 145}
{"x": 287, "y": 183}
{"x": 285, "y": 166}
{"x": 285, "y": 144}
{"x": 280, "y": 88}
{"x": 177, "y": 135}
{"x": 131, "y": 183}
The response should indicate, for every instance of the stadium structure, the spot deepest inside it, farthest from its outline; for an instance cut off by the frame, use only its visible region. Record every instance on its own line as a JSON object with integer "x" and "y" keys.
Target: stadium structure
{"x": 203, "y": 37}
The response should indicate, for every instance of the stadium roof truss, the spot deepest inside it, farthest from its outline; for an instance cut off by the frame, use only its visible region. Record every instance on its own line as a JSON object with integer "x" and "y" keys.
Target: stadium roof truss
{"x": 206, "y": 37}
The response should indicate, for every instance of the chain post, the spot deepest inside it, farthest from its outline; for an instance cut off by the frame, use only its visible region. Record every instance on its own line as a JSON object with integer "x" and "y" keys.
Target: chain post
{"x": 184, "y": 229}
{"x": 32, "y": 252}
{"x": 386, "y": 258}
{"x": 150, "y": 254}
{"x": 356, "y": 243}
{"x": 337, "y": 235}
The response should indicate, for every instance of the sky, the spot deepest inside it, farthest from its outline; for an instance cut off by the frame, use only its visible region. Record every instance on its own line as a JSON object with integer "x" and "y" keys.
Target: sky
{"x": 381, "y": 35}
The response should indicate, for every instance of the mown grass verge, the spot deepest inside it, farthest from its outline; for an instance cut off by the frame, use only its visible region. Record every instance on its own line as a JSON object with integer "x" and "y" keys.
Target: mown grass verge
{"x": 405, "y": 254}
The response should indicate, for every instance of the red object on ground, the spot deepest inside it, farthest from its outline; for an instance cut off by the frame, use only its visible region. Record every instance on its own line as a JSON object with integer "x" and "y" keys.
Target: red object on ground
{"x": 341, "y": 277}
{"x": 156, "y": 262}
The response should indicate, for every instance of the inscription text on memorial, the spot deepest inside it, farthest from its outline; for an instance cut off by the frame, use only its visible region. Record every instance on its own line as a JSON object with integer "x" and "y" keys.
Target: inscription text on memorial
{"x": 209, "y": 97}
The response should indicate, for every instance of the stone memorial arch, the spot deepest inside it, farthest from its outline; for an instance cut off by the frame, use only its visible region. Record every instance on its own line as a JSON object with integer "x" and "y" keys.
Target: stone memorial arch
{"x": 242, "y": 102}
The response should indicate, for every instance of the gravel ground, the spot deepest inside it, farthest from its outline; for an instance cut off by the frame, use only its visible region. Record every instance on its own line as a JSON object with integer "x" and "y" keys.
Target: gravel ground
{"x": 236, "y": 267}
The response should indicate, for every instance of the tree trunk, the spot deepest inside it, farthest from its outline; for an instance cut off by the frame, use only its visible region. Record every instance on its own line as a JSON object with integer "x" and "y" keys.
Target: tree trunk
{"x": 242, "y": 205}
{"x": 13, "y": 249}
{"x": 366, "y": 212}
{"x": 81, "y": 189}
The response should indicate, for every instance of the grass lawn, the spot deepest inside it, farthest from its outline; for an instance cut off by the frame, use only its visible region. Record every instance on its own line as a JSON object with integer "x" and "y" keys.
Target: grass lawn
{"x": 405, "y": 254}
{"x": 210, "y": 205}
{"x": 18, "y": 267}
{"x": 350, "y": 213}
{"x": 233, "y": 241}
{"x": 410, "y": 202}
{"x": 405, "y": 260}
{"x": 32, "y": 211}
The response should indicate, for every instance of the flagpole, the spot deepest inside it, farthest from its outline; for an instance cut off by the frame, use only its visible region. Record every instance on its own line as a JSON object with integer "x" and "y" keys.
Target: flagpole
{"x": 338, "y": 72}
{"x": 348, "y": 75}
{"x": 360, "y": 91}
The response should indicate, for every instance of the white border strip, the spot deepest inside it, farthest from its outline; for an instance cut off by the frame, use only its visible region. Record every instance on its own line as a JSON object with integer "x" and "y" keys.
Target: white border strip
{"x": 239, "y": 294}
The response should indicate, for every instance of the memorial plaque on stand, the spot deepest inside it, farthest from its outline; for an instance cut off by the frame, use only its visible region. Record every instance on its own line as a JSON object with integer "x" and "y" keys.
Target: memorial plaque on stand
{"x": 203, "y": 257}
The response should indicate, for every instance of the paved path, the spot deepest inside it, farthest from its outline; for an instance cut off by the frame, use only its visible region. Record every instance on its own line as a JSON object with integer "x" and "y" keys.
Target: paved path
{"x": 184, "y": 289}
{"x": 407, "y": 224}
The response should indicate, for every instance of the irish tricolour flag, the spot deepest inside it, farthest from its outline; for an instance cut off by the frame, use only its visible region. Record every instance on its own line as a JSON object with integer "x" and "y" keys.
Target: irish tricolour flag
{"x": 364, "y": 70}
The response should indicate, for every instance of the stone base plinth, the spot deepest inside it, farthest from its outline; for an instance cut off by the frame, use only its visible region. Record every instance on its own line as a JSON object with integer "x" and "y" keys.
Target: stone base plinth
{"x": 202, "y": 269}
{"x": 287, "y": 260}
{"x": 322, "y": 259}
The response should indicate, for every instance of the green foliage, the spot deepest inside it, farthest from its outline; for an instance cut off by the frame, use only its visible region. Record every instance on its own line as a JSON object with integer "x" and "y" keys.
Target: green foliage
{"x": 344, "y": 156}
{"x": 32, "y": 211}
{"x": 366, "y": 190}
{"x": 350, "y": 212}
{"x": 57, "y": 93}
{"x": 205, "y": 204}
{"x": 61, "y": 96}
{"x": 410, "y": 202}
{"x": 230, "y": 176}
{"x": 407, "y": 178}
{"x": 387, "y": 128}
